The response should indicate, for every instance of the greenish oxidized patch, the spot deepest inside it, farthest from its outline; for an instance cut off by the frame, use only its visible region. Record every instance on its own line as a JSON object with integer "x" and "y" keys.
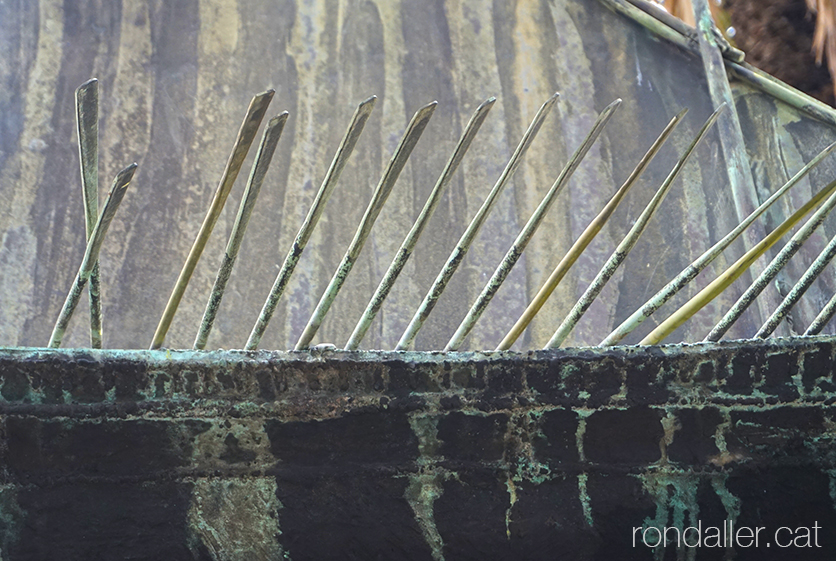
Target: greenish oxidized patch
{"x": 512, "y": 493}
{"x": 523, "y": 428}
{"x": 233, "y": 442}
{"x": 584, "y": 496}
{"x": 831, "y": 474}
{"x": 730, "y": 502}
{"x": 425, "y": 486}
{"x": 675, "y": 495}
{"x": 579, "y": 434}
{"x": 11, "y": 517}
{"x": 421, "y": 494}
{"x": 236, "y": 520}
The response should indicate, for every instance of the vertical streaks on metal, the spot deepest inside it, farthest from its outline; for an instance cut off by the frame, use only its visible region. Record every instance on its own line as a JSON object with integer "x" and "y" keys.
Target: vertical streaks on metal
{"x": 87, "y": 126}
{"x": 458, "y": 253}
{"x": 344, "y": 150}
{"x": 411, "y": 239}
{"x": 410, "y": 138}
{"x": 775, "y": 266}
{"x": 586, "y": 238}
{"x": 263, "y": 157}
{"x": 246, "y": 135}
{"x": 691, "y": 271}
{"x": 515, "y": 251}
{"x": 728, "y": 276}
{"x": 742, "y": 184}
{"x": 620, "y": 254}
{"x": 91, "y": 253}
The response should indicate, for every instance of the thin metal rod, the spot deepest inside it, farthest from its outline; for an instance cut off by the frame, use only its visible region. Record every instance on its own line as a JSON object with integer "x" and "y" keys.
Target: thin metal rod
{"x": 87, "y": 126}
{"x": 586, "y": 238}
{"x": 691, "y": 271}
{"x": 513, "y": 254}
{"x": 246, "y": 135}
{"x": 458, "y": 253}
{"x": 91, "y": 253}
{"x": 775, "y": 266}
{"x": 263, "y": 157}
{"x": 761, "y": 80}
{"x": 381, "y": 193}
{"x": 344, "y": 150}
{"x": 728, "y": 276}
{"x": 824, "y": 317}
{"x": 411, "y": 239}
{"x": 812, "y": 272}
{"x": 620, "y": 254}
{"x": 780, "y": 90}
{"x": 737, "y": 166}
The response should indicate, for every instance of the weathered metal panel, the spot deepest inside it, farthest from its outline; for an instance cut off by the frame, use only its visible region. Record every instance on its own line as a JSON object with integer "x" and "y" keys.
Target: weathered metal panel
{"x": 176, "y": 77}
{"x": 369, "y": 455}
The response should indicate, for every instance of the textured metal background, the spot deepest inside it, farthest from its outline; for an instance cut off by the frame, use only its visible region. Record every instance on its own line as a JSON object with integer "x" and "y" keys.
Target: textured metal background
{"x": 176, "y": 77}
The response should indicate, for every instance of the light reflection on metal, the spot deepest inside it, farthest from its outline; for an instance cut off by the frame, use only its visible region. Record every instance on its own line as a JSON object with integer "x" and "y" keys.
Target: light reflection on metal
{"x": 514, "y": 253}
{"x": 381, "y": 193}
{"x": 458, "y": 253}
{"x": 586, "y": 238}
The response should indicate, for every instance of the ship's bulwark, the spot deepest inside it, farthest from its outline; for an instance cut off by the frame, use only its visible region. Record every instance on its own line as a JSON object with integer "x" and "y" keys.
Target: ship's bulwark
{"x": 335, "y": 455}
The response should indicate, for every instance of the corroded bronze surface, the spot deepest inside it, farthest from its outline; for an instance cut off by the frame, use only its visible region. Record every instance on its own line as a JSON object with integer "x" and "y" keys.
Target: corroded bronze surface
{"x": 361, "y": 455}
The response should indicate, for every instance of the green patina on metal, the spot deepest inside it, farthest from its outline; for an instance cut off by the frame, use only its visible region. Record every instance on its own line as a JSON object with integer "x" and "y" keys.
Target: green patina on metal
{"x": 87, "y": 126}
{"x": 241, "y": 428}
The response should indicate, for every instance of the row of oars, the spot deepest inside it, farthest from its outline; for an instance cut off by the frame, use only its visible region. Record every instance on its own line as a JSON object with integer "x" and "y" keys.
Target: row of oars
{"x": 96, "y": 225}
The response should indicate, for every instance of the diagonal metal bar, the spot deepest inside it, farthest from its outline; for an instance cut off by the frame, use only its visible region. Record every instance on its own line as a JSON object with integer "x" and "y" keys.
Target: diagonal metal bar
{"x": 586, "y": 238}
{"x": 775, "y": 266}
{"x": 620, "y": 254}
{"x": 458, "y": 253}
{"x": 812, "y": 272}
{"x": 246, "y": 135}
{"x": 648, "y": 16}
{"x": 824, "y": 317}
{"x": 525, "y": 235}
{"x": 381, "y": 193}
{"x": 411, "y": 239}
{"x": 691, "y": 271}
{"x": 738, "y": 169}
{"x": 731, "y": 274}
{"x": 91, "y": 253}
{"x": 263, "y": 157}
{"x": 87, "y": 126}
{"x": 346, "y": 147}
